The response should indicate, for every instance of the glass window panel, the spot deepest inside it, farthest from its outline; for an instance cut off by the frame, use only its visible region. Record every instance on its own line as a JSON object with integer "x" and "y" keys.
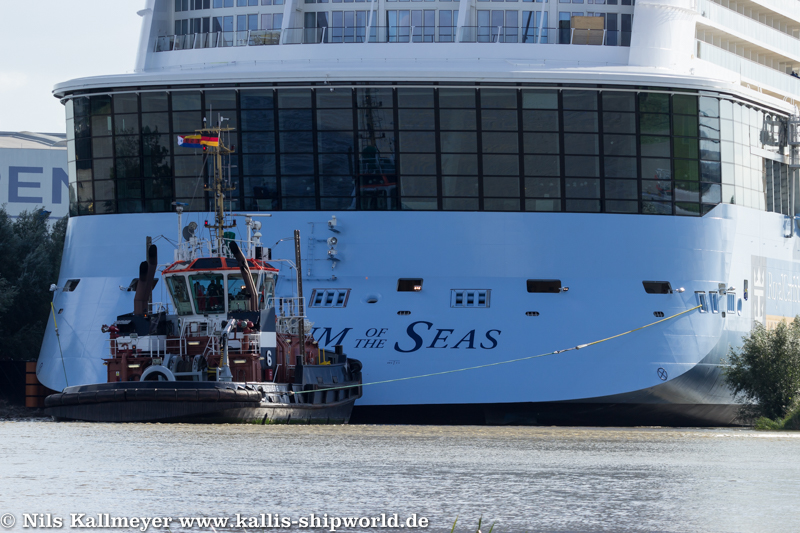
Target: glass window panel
{"x": 497, "y": 204}
{"x": 656, "y": 169}
{"x": 459, "y": 142}
{"x": 298, "y": 186}
{"x": 187, "y": 121}
{"x": 460, "y": 204}
{"x": 686, "y": 169}
{"x": 619, "y": 144}
{"x": 460, "y": 186}
{"x": 103, "y": 169}
{"x": 540, "y": 120}
{"x": 257, "y": 99}
{"x": 416, "y": 119}
{"x": 102, "y": 147}
{"x": 101, "y": 125}
{"x": 294, "y": 119}
{"x": 376, "y": 119}
{"x": 499, "y": 143}
{"x": 127, "y": 145}
{"x": 686, "y": 148}
{"x": 415, "y": 97}
{"x": 223, "y": 99}
{"x": 545, "y": 99}
{"x": 621, "y": 206}
{"x": 84, "y": 192}
{"x": 155, "y": 123}
{"x": 497, "y": 98}
{"x": 457, "y": 98}
{"x": 726, "y": 111}
{"x": 543, "y": 205}
{"x": 186, "y": 101}
{"x": 336, "y": 164}
{"x": 294, "y": 98}
{"x": 104, "y": 190}
{"x": 156, "y": 162}
{"x": 158, "y": 188}
{"x": 337, "y": 98}
{"x": 495, "y": 119}
{"x": 619, "y": 122}
{"x": 654, "y": 146}
{"x": 710, "y": 193}
{"x": 421, "y": 164}
{"x": 583, "y": 206}
{"x": 459, "y": 164}
{"x": 580, "y": 121}
{"x": 684, "y": 209}
{"x": 684, "y": 125}
{"x": 654, "y": 124}
{"x": 83, "y": 169}
{"x": 710, "y": 171}
{"x": 687, "y": 191}
{"x": 258, "y": 120}
{"x": 374, "y": 97}
{"x": 83, "y": 149}
{"x": 461, "y": 119}
{"x": 726, "y": 130}
{"x": 709, "y": 107}
{"x": 342, "y": 186}
{"x": 335, "y": 141}
{"x": 261, "y": 187}
{"x": 543, "y": 187}
{"x": 130, "y": 206}
{"x": 129, "y": 189}
{"x": 620, "y": 167}
{"x": 417, "y": 141}
{"x": 653, "y": 103}
{"x": 80, "y": 106}
{"x": 297, "y": 164}
{"x": 709, "y": 150}
{"x": 656, "y": 190}
{"x": 581, "y": 143}
{"x": 100, "y": 105}
{"x": 618, "y": 101}
{"x": 83, "y": 127}
{"x": 126, "y": 103}
{"x": 257, "y": 143}
{"x": 126, "y": 124}
{"x": 582, "y": 188}
{"x": 709, "y": 128}
{"x": 189, "y": 187}
{"x": 419, "y": 204}
{"x": 418, "y": 185}
{"x": 339, "y": 204}
{"x": 684, "y": 104}
{"x": 258, "y": 165}
{"x": 501, "y": 165}
{"x": 188, "y": 165}
{"x": 128, "y": 167}
{"x": 579, "y": 99}
{"x": 582, "y": 166}
{"x": 542, "y": 165}
{"x": 298, "y": 204}
{"x": 541, "y": 143}
{"x": 334, "y": 119}
{"x": 621, "y": 189}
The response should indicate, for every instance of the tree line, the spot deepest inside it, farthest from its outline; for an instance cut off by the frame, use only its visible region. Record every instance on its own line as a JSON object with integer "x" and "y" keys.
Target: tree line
{"x": 30, "y": 258}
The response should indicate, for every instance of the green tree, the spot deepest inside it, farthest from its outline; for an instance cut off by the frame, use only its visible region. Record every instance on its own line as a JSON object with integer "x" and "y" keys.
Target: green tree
{"x": 30, "y": 259}
{"x": 765, "y": 373}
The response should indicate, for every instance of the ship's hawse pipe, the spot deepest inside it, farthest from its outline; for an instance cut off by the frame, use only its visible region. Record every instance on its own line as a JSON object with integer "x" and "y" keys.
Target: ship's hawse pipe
{"x": 147, "y": 273}
{"x": 244, "y": 268}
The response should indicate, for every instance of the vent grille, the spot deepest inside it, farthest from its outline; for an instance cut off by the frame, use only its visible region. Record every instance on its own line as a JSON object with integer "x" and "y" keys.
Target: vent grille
{"x": 330, "y": 297}
{"x": 470, "y": 297}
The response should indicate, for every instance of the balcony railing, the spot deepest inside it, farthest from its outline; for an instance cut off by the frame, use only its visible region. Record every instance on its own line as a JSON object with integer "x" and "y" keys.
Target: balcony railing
{"x": 394, "y": 34}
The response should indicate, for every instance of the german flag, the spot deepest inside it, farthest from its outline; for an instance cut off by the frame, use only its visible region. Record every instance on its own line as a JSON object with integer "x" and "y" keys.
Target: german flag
{"x": 209, "y": 141}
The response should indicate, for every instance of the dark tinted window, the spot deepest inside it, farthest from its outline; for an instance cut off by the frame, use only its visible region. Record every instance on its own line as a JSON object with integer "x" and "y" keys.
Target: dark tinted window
{"x": 657, "y": 287}
{"x": 544, "y": 285}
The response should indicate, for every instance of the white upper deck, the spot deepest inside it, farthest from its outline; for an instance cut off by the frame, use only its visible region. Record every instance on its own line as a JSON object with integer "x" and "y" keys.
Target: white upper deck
{"x": 750, "y": 47}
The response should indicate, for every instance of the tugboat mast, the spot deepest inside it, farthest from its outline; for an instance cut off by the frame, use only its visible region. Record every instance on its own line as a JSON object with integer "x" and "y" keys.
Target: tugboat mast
{"x": 212, "y": 138}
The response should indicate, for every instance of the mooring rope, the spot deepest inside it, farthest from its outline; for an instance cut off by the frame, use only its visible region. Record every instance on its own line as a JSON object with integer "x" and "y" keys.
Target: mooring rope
{"x": 58, "y": 338}
{"x": 578, "y": 347}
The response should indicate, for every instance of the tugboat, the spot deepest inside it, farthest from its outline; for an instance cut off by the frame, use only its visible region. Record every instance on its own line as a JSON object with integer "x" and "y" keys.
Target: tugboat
{"x": 227, "y": 350}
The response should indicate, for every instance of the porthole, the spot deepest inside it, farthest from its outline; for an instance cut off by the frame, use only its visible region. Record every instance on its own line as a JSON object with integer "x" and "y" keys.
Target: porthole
{"x": 404, "y": 313}
{"x": 532, "y": 313}
{"x": 658, "y": 314}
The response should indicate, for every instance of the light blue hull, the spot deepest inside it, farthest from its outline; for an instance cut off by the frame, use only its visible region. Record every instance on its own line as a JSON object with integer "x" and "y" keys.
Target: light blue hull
{"x": 602, "y": 258}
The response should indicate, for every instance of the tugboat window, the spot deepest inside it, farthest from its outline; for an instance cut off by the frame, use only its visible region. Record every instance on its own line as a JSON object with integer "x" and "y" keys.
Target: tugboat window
{"x": 409, "y": 285}
{"x": 657, "y": 287}
{"x": 208, "y": 293}
{"x": 180, "y": 295}
{"x": 237, "y": 293}
{"x": 544, "y": 285}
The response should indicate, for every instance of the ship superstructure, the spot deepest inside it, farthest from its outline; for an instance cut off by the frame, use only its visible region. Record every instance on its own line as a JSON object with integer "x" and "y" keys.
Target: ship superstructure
{"x": 476, "y": 181}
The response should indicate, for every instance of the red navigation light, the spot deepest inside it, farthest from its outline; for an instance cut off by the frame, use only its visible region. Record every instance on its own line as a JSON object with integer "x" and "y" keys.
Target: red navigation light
{"x": 205, "y": 223}
{"x": 205, "y": 148}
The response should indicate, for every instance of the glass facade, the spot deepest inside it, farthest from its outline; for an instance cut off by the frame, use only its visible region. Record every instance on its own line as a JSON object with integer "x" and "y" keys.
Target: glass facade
{"x": 436, "y": 147}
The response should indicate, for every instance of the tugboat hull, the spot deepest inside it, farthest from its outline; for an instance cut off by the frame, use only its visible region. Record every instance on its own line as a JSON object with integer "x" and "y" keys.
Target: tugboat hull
{"x": 189, "y": 402}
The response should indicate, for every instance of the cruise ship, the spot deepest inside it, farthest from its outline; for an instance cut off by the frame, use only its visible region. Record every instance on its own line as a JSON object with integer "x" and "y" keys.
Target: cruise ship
{"x": 475, "y": 182}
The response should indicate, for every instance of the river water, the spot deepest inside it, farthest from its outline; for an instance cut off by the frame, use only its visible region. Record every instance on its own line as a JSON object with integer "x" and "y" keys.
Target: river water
{"x": 521, "y": 479}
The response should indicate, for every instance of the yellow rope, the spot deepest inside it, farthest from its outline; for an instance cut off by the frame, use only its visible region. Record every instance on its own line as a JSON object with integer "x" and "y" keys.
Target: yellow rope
{"x": 580, "y": 346}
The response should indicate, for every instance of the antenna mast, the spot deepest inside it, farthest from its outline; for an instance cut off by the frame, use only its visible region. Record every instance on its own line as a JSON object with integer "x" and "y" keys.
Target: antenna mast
{"x": 218, "y": 186}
